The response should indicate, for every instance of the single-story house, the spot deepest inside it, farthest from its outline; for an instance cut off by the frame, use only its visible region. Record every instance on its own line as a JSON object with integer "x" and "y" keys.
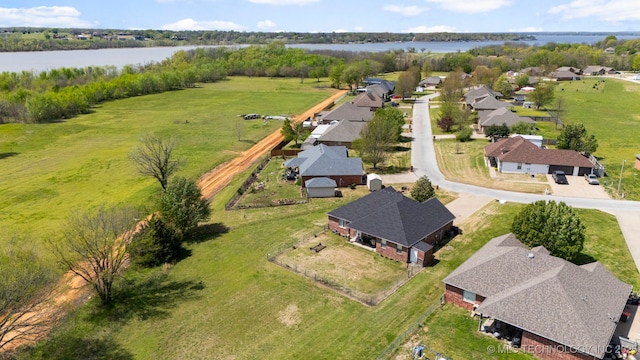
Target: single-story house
{"x": 369, "y": 99}
{"x": 342, "y": 133}
{"x": 518, "y": 155}
{"x": 431, "y": 81}
{"x": 374, "y": 182}
{"x": 610, "y": 50}
{"x": 535, "y": 139}
{"x": 533, "y": 71}
{"x": 570, "y": 69}
{"x": 478, "y": 93}
{"x": 564, "y": 75}
{"x": 599, "y": 70}
{"x": 320, "y": 187}
{"x": 561, "y": 310}
{"x": 401, "y": 228}
{"x": 328, "y": 161}
{"x": 346, "y": 111}
{"x": 500, "y": 116}
{"x": 386, "y": 86}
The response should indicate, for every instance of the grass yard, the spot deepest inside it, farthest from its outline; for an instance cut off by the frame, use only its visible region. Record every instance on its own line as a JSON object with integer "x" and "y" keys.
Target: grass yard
{"x": 347, "y": 266}
{"x": 523, "y": 111}
{"x": 464, "y": 162}
{"x": 48, "y": 170}
{"x": 275, "y": 188}
{"x": 609, "y": 109}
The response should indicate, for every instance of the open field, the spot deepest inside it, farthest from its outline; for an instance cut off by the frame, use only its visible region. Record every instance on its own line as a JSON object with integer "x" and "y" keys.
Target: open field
{"x": 464, "y": 162}
{"x": 609, "y": 109}
{"x": 226, "y": 300}
{"x": 48, "y": 170}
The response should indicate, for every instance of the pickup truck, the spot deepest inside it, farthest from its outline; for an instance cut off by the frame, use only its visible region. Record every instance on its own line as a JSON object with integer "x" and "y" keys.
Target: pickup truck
{"x": 592, "y": 179}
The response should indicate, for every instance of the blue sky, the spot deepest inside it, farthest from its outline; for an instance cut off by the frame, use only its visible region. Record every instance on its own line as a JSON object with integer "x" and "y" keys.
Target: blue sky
{"x": 329, "y": 15}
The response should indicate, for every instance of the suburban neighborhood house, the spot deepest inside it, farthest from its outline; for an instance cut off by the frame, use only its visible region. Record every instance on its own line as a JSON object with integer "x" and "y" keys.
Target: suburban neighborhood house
{"x": 499, "y": 117}
{"x": 479, "y": 93}
{"x": 399, "y": 227}
{"x": 332, "y": 162}
{"x": 558, "y": 309}
{"x": 518, "y": 155}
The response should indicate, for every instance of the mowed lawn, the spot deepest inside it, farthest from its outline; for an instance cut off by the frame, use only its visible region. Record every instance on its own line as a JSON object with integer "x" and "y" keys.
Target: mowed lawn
{"x": 610, "y": 111}
{"x": 50, "y": 170}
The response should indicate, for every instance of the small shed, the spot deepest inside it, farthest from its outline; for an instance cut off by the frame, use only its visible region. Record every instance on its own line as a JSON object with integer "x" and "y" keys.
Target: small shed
{"x": 374, "y": 182}
{"x": 320, "y": 187}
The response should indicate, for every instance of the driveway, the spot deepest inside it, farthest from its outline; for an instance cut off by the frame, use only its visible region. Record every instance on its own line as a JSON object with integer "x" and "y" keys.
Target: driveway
{"x": 578, "y": 187}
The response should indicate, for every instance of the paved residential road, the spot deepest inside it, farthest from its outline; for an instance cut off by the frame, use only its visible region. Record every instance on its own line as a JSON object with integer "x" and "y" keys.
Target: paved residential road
{"x": 424, "y": 162}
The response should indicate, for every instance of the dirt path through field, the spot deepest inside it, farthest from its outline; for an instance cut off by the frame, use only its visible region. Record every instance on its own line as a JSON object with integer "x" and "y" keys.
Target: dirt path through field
{"x": 216, "y": 179}
{"x": 71, "y": 288}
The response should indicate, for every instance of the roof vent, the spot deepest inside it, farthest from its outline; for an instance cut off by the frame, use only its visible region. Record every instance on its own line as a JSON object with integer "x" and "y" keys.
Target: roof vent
{"x": 531, "y": 255}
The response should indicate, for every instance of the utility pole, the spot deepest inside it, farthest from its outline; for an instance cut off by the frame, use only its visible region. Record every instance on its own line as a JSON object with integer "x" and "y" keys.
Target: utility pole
{"x": 620, "y": 181}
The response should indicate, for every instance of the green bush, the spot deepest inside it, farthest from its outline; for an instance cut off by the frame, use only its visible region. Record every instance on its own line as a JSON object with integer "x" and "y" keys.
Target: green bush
{"x": 464, "y": 134}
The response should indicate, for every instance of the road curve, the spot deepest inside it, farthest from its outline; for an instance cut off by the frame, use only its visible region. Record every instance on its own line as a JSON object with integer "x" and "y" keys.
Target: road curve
{"x": 423, "y": 158}
{"x": 216, "y": 179}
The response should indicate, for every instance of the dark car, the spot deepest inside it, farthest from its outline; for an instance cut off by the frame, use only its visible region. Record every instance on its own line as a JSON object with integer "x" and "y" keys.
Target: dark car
{"x": 559, "y": 177}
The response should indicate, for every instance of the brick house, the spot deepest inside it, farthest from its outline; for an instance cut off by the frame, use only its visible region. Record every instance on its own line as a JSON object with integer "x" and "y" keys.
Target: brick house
{"x": 399, "y": 227}
{"x": 563, "y": 311}
{"x": 518, "y": 155}
{"x": 331, "y": 162}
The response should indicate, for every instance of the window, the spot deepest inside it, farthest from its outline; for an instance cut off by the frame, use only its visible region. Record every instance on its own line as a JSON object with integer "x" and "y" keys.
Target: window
{"x": 519, "y": 166}
{"x": 342, "y": 223}
{"x": 399, "y": 249}
{"x": 469, "y": 297}
{"x": 383, "y": 243}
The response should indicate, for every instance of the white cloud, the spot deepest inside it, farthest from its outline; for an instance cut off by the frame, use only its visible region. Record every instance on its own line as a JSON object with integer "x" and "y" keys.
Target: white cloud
{"x": 405, "y": 10}
{"x": 341, "y": 31}
{"x": 43, "y": 16}
{"x": 358, "y": 28}
{"x": 471, "y": 7}
{"x": 190, "y": 24}
{"x": 431, "y": 29}
{"x": 266, "y": 24}
{"x": 284, "y": 2}
{"x": 613, "y": 11}
{"x": 527, "y": 29}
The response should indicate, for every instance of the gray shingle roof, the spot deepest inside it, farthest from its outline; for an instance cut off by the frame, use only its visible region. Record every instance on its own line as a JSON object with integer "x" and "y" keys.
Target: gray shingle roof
{"x": 548, "y": 296}
{"x": 503, "y": 116}
{"x": 478, "y": 92}
{"x": 343, "y": 131}
{"x": 369, "y": 99}
{"x": 320, "y": 182}
{"x": 489, "y": 103}
{"x": 323, "y": 160}
{"x": 389, "y": 215}
{"x": 349, "y": 111}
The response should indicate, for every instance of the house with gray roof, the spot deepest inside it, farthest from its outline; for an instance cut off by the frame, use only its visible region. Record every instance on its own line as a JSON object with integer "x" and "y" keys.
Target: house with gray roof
{"x": 399, "y": 227}
{"x": 431, "y": 81}
{"x": 347, "y": 111}
{"x": 518, "y": 155}
{"x": 369, "y": 99}
{"x": 599, "y": 70}
{"x": 562, "y": 310}
{"x": 331, "y": 162}
{"x": 342, "y": 133}
{"x": 500, "y": 116}
{"x": 478, "y": 93}
{"x": 565, "y": 75}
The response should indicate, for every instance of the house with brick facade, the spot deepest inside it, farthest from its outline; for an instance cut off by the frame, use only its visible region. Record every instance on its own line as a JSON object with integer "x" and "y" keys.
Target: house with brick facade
{"x": 519, "y": 155}
{"x": 562, "y": 310}
{"x": 399, "y": 227}
{"x": 332, "y": 162}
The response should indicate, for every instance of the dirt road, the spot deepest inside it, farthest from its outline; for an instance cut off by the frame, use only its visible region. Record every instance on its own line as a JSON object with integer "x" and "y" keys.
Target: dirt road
{"x": 216, "y": 179}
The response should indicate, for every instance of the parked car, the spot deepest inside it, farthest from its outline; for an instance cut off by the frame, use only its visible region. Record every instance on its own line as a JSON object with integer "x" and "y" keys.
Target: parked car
{"x": 592, "y": 179}
{"x": 559, "y": 177}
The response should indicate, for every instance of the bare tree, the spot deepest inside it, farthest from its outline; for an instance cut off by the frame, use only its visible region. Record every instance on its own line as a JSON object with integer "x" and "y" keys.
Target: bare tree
{"x": 95, "y": 246}
{"x": 25, "y": 286}
{"x": 153, "y": 158}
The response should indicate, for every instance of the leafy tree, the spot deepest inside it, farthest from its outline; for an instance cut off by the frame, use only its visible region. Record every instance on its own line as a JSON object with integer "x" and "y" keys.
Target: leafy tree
{"x": 542, "y": 95}
{"x": 575, "y": 137}
{"x": 503, "y": 85}
{"x": 294, "y": 131}
{"x": 407, "y": 82}
{"x": 497, "y": 131}
{"x": 522, "y": 80}
{"x": 352, "y": 76}
{"x": 523, "y": 128}
{"x": 423, "y": 190}
{"x": 445, "y": 122}
{"x": 464, "y": 134}
{"x": 155, "y": 244}
{"x": 376, "y": 137}
{"x": 94, "y": 247}
{"x": 287, "y": 131}
{"x": 636, "y": 63}
{"x": 426, "y": 69}
{"x": 483, "y": 75}
{"x": 395, "y": 119}
{"x": 153, "y": 158}
{"x": 25, "y": 284}
{"x": 556, "y": 226}
{"x": 182, "y": 206}
{"x": 335, "y": 75}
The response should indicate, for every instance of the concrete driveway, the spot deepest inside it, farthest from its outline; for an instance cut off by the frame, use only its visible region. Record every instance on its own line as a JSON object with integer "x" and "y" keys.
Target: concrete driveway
{"x": 578, "y": 187}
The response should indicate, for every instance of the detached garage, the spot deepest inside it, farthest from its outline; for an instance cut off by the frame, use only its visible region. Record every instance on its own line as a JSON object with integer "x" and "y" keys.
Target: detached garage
{"x": 320, "y": 187}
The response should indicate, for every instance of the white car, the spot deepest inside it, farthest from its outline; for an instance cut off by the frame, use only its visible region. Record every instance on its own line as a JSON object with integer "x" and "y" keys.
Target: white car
{"x": 591, "y": 179}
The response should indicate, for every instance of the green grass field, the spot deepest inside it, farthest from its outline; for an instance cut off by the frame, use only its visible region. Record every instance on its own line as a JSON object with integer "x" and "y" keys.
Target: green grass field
{"x": 610, "y": 111}
{"x": 49, "y": 170}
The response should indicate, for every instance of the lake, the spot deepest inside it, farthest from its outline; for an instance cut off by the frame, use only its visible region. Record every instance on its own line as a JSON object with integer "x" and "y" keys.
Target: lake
{"x": 46, "y": 60}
